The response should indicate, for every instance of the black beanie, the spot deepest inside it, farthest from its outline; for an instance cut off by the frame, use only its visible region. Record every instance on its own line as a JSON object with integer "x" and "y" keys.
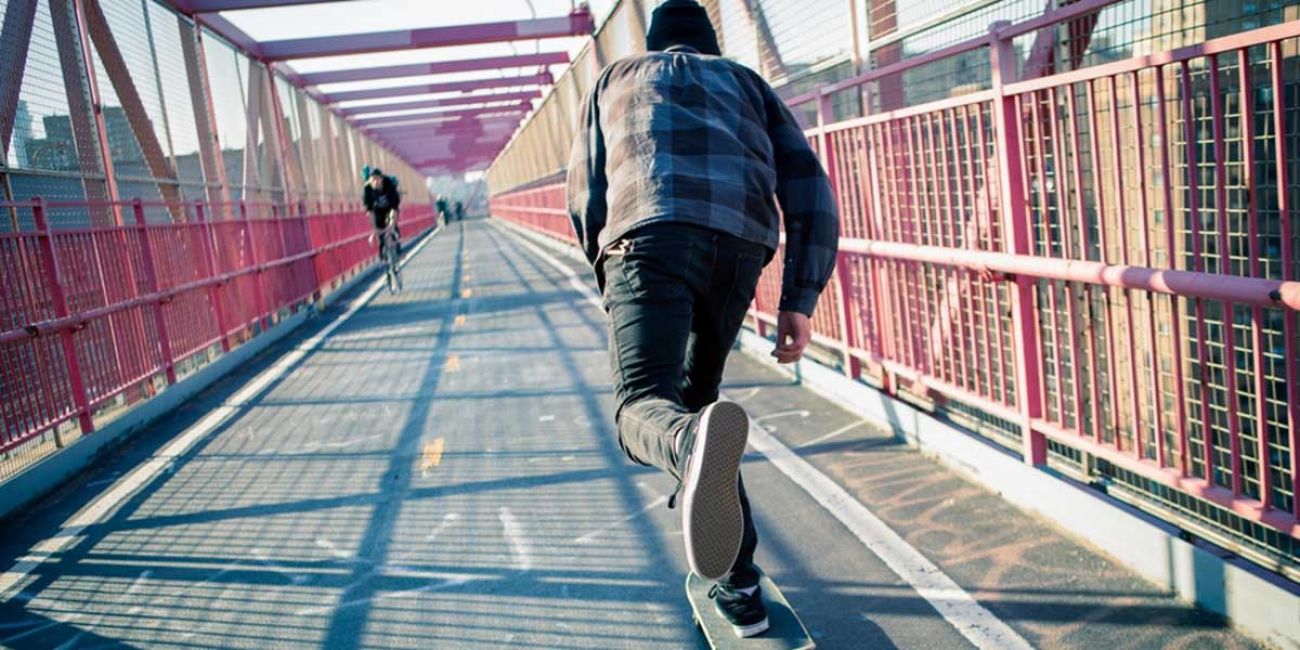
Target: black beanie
{"x": 681, "y": 22}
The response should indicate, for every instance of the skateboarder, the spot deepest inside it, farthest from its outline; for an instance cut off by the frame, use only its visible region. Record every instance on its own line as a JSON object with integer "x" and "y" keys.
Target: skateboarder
{"x": 677, "y": 159}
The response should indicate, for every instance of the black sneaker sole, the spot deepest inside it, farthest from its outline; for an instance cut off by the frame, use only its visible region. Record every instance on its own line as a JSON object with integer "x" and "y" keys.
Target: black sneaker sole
{"x": 712, "y": 520}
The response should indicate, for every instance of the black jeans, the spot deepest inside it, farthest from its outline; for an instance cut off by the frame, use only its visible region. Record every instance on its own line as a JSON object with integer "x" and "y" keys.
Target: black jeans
{"x": 380, "y": 218}
{"x": 676, "y": 296}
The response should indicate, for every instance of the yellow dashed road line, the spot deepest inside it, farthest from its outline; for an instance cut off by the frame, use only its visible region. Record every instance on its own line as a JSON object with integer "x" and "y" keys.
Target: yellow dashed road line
{"x": 432, "y": 456}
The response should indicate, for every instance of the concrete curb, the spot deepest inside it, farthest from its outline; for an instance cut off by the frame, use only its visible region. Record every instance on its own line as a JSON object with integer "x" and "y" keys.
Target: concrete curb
{"x": 1258, "y": 603}
{"x": 53, "y": 471}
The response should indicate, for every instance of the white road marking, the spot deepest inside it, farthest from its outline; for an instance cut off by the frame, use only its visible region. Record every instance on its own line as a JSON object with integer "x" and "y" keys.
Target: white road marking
{"x": 333, "y": 548}
{"x": 447, "y": 520}
{"x": 799, "y": 413}
{"x": 972, "y": 620}
{"x": 266, "y": 561}
{"x": 142, "y": 474}
{"x": 385, "y": 333}
{"x": 452, "y": 580}
{"x": 130, "y": 591}
{"x": 313, "y": 446}
{"x": 514, "y": 533}
{"x": 834, "y": 433}
{"x": 962, "y": 611}
{"x": 587, "y": 538}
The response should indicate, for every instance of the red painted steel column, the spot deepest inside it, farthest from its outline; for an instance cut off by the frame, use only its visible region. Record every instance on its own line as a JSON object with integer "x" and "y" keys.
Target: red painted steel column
{"x": 1292, "y": 395}
{"x": 851, "y": 363}
{"x": 15, "y": 39}
{"x": 96, "y": 101}
{"x": 1016, "y": 221}
{"x": 205, "y": 117}
{"x": 60, "y": 303}
{"x": 283, "y": 273}
{"x": 151, "y": 285}
{"x": 259, "y": 293}
{"x": 81, "y": 107}
{"x": 214, "y": 291}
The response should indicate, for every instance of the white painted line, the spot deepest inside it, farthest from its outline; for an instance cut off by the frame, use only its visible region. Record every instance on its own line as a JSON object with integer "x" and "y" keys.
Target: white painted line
{"x": 588, "y": 538}
{"x": 959, "y": 608}
{"x": 799, "y": 413}
{"x": 834, "y": 433}
{"x": 451, "y": 580}
{"x": 143, "y": 474}
{"x": 385, "y": 333}
{"x": 447, "y": 520}
{"x": 514, "y": 533}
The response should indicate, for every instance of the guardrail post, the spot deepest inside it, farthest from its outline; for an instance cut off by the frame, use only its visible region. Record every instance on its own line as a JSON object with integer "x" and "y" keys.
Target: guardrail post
{"x": 283, "y": 273}
{"x": 848, "y": 328}
{"x": 852, "y": 365}
{"x": 76, "y": 382}
{"x": 259, "y": 292}
{"x": 151, "y": 285}
{"x": 1015, "y": 224}
{"x": 214, "y": 290}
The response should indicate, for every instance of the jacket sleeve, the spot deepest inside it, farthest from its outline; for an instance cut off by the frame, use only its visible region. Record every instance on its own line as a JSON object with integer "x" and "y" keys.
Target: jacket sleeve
{"x": 586, "y": 183}
{"x": 812, "y": 225}
{"x": 394, "y": 196}
{"x": 367, "y": 199}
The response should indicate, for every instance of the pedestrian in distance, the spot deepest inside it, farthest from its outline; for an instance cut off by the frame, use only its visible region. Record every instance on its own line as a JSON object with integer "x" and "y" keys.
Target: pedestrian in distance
{"x": 679, "y": 163}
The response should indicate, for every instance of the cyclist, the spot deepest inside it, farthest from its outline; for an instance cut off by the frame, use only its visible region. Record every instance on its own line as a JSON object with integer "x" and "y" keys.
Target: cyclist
{"x": 442, "y": 209}
{"x": 381, "y": 200}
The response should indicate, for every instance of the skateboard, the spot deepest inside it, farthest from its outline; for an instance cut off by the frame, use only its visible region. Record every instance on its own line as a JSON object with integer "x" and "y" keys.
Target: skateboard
{"x": 786, "y": 632}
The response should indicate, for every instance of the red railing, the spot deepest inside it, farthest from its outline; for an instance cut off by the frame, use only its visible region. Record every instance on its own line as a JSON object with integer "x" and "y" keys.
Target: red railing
{"x": 89, "y": 315}
{"x": 1101, "y": 258}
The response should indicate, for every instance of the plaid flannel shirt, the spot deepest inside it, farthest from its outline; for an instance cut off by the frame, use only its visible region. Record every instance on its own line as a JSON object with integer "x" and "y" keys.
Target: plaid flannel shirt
{"x": 685, "y": 137}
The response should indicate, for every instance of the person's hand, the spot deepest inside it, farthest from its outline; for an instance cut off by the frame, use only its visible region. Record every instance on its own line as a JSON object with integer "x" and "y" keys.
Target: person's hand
{"x": 793, "y": 333}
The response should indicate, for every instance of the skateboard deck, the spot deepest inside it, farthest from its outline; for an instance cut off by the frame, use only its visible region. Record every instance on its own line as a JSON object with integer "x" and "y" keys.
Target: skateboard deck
{"x": 786, "y": 631}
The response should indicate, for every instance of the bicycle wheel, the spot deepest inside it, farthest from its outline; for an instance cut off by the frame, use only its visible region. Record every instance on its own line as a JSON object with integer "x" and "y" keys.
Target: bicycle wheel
{"x": 394, "y": 269}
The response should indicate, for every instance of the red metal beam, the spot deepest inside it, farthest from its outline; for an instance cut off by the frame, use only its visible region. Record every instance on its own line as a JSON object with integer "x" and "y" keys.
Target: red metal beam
{"x": 448, "y": 148}
{"x": 459, "y": 142}
{"x": 463, "y": 138}
{"x": 462, "y": 124}
{"x": 443, "y": 116}
{"x": 427, "y": 144}
{"x": 453, "y": 162}
{"x": 214, "y": 171}
{"x": 420, "y": 142}
{"x": 191, "y": 7}
{"x": 446, "y": 87}
{"x": 422, "y": 148}
{"x": 81, "y": 111}
{"x": 438, "y": 67}
{"x": 14, "y": 39}
{"x": 445, "y": 101}
{"x": 136, "y": 115}
{"x": 578, "y": 23}
{"x": 228, "y": 31}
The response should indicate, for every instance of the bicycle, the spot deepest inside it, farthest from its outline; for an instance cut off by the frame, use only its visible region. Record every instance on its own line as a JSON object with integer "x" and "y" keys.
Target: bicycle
{"x": 392, "y": 246}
